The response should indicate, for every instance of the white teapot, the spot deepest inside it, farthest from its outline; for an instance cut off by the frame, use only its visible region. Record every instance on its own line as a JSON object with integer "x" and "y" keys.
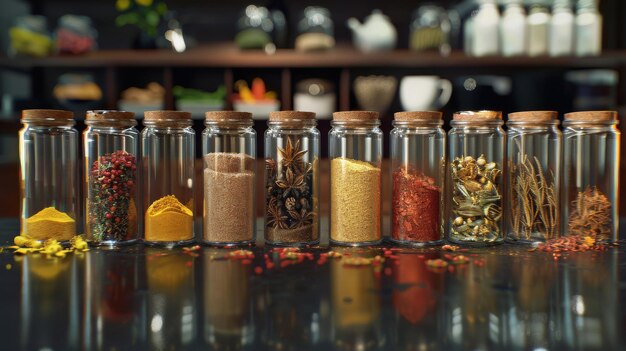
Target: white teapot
{"x": 376, "y": 33}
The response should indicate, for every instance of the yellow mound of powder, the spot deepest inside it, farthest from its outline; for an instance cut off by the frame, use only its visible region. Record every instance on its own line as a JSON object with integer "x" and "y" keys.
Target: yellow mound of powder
{"x": 49, "y": 223}
{"x": 167, "y": 219}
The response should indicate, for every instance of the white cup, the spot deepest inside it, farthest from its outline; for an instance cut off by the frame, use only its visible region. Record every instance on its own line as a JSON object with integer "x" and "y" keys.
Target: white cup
{"x": 423, "y": 93}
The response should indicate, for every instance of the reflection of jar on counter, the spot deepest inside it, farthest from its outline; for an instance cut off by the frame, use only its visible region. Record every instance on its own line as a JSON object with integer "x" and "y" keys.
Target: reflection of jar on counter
{"x": 50, "y": 305}
{"x": 171, "y": 301}
{"x": 169, "y": 160}
{"x": 476, "y": 144}
{"x": 355, "y": 148}
{"x": 227, "y": 302}
{"x": 355, "y": 305}
{"x": 111, "y": 145}
{"x": 49, "y": 175}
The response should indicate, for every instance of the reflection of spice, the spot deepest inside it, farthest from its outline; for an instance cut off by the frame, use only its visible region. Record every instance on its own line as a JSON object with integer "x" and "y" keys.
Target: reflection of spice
{"x": 476, "y": 201}
{"x": 415, "y": 207}
{"x": 354, "y": 201}
{"x": 418, "y": 298}
{"x": 290, "y": 212}
{"x": 111, "y": 208}
{"x": 534, "y": 212}
{"x": 353, "y": 300}
{"x": 229, "y": 198}
{"x": 168, "y": 271}
{"x": 49, "y": 223}
{"x": 591, "y": 214}
{"x": 168, "y": 220}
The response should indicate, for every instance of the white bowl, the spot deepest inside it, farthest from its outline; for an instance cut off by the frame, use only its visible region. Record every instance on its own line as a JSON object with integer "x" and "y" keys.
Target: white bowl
{"x": 259, "y": 110}
{"x": 322, "y": 105}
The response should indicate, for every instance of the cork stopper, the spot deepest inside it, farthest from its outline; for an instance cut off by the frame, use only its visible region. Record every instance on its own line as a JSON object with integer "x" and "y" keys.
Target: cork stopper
{"x": 291, "y": 116}
{"x": 100, "y": 115}
{"x": 483, "y": 115}
{"x": 591, "y": 116}
{"x": 227, "y": 116}
{"x": 533, "y": 116}
{"x": 410, "y": 116}
{"x": 355, "y": 116}
{"x": 167, "y": 116}
{"x": 47, "y": 115}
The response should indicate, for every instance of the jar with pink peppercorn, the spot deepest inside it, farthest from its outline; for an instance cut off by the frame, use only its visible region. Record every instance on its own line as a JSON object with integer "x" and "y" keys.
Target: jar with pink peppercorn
{"x": 110, "y": 145}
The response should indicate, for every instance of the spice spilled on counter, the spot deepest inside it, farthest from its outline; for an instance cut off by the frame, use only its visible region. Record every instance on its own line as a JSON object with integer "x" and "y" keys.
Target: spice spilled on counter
{"x": 168, "y": 220}
{"x": 416, "y": 203}
{"x": 228, "y": 198}
{"x": 354, "y": 201}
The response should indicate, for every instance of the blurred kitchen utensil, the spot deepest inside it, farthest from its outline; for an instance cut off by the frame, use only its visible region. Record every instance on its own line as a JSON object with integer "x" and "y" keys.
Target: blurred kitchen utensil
{"x": 375, "y": 93}
{"x": 315, "y": 95}
{"x": 423, "y": 93}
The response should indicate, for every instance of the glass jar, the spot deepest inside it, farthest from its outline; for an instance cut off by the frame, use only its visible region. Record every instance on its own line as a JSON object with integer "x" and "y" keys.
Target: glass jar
{"x": 229, "y": 152}
{"x": 49, "y": 179}
{"x": 417, "y": 178}
{"x": 355, "y": 150}
{"x": 475, "y": 165}
{"x": 111, "y": 144}
{"x": 168, "y": 147}
{"x": 292, "y": 147}
{"x": 533, "y": 177}
{"x": 315, "y": 30}
{"x": 591, "y": 164}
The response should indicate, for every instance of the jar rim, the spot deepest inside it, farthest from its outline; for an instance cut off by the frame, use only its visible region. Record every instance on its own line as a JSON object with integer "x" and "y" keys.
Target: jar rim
{"x": 48, "y": 116}
{"x": 477, "y": 123}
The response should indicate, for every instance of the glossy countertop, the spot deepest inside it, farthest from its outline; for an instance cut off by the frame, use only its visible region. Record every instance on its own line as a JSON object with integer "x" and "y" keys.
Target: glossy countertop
{"x": 504, "y": 298}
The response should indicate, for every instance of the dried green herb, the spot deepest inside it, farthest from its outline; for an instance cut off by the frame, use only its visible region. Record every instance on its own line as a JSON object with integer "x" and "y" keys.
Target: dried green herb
{"x": 289, "y": 201}
{"x": 476, "y": 201}
{"x": 534, "y": 207}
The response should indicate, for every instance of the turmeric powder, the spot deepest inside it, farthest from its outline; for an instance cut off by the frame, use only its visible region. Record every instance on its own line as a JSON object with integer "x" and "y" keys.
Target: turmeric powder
{"x": 168, "y": 220}
{"x": 49, "y": 223}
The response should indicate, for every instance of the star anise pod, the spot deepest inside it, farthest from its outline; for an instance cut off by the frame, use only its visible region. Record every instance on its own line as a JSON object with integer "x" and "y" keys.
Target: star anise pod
{"x": 291, "y": 183}
{"x": 270, "y": 165}
{"x": 300, "y": 218}
{"x": 275, "y": 218}
{"x": 292, "y": 155}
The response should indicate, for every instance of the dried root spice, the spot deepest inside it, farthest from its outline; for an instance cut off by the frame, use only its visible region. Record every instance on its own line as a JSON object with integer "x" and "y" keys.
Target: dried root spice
{"x": 354, "y": 201}
{"x": 416, "y": 203}
{"x": 476, "y": 201}
{"x": 534, "y": 206}
{"x": 591, "y": 215}
{"x": 112, "y": 212}
{"x": 228, "y": 198}
{"x": 291, "y": 199}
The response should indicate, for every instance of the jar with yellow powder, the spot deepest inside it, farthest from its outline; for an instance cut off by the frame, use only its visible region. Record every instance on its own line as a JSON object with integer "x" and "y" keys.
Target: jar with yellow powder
{"x": 355, "y": 150}
{"x": 111, "y": 144}
{"x": 229, "y": 149}
{"x": 49, "y": 178}
{"x": 168, "y": 151}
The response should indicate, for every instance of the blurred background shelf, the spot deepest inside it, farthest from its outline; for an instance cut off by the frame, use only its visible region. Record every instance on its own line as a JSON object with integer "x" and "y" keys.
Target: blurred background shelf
{"x": 227, "y": 55}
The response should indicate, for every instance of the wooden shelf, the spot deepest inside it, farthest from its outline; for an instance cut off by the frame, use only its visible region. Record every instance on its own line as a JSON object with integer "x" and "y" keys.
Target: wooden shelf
{"x": 226, "y": 55}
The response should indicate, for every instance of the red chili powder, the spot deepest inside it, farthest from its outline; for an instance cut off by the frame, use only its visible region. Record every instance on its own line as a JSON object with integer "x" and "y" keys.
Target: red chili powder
{"x": 415, "y": 207}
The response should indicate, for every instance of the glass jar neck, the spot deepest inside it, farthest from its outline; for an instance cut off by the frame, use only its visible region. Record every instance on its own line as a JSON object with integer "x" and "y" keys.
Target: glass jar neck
{"x": 417, "y": 124}
{"x": 543, "y": 125}
{"x": 111, "y": 123}
{"x": 181, "y": 124}
{"x": 234, "y": 125}
{"x": 612, "y": 124}
{"x": 476, "y": 124}
{"x": 49, "y": 123}
{"x": 355, "y": 124}
{"x": 292, "y": 125}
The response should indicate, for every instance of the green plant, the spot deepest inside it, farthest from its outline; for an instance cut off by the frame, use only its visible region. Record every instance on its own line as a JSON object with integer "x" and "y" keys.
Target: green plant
{"x": 145, "y": 14}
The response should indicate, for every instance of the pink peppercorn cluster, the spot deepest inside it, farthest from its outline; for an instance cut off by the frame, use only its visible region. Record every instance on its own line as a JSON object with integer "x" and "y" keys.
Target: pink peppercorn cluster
{"x": 112, "y": 188}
